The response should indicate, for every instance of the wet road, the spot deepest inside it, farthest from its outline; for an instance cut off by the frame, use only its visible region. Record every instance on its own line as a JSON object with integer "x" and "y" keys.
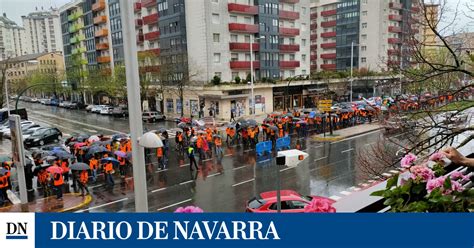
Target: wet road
{"x": 222, "y": 185}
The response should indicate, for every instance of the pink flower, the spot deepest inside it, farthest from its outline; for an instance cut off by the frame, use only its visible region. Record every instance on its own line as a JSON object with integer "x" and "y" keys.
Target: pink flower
{"x": 458, "y": 176}
{"x": 437, "y": 156}
{"x": 189, "y": 209}
{"x": 408, "y": 160}
{"x": 457, "y": 186}
{"x": 435, "y": 183}
{"x": 421, "y": 173}
{"x": 319, "y": 205}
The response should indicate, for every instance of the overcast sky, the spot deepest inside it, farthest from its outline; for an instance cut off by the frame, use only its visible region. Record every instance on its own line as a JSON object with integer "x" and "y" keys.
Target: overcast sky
{"x": 16, "y": 8}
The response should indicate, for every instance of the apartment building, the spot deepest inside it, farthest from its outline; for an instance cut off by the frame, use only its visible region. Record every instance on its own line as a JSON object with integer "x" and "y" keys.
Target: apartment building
{"x": 375, "y": 33}
{"x": 42, "y": 31}
{"x": 12, "y": 39}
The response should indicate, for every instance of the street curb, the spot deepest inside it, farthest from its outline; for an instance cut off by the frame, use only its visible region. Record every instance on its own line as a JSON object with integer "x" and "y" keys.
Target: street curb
{"x": 87, "y": 201}
{"x": 335, "y": 139}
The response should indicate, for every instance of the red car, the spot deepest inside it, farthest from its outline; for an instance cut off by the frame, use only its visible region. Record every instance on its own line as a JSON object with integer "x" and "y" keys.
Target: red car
{"x": 291, "y": 202}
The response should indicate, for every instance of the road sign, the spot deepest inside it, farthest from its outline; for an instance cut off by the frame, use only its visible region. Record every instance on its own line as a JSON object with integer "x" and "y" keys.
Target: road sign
{"x": 324, "y": 105}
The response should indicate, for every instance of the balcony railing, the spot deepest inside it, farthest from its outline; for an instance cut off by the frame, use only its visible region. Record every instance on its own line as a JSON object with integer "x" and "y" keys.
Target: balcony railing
{"x": 328, "y": 67}
{"x": 100, "y": 19}
{"x": 314, "y": 67}
{"x": 397, "y": 6}
{"x": 328, "y": 24}
{"x": 289, "y": 48}
{"x": 78, "y": 50}
{"x": 242, "y": 9}
{"x": 148, "y": 3}
{"x": 243, "y": 65}
{"x": 289, "y": 1}
{"x": 329, "y": 12}
{"x": 140, "y": 38}
{"x": 76, "y": 27}
{"x": 103, "y": 59}
{"x": 289, "y": 31}
{"x": 155, "y": 51}
{"x": 394, "y": 41}
{"x": 149, "y": 19}
{"x": 289, "y": 15}
{"x": 313, "y": 57}
{"x": 77, "y": 38}
{"x": 138, "y": 22}
{"x": 397, "y": 18}
{"x": 100, "y": 5}
{"x": 328, "y": 56}
{"x": 243, "y": 28}
{"x": 101, "y": 32}
{"x": 328, "y": 34}
{"x": 149, "y": 68}
{"x": 392, "y": 52}
{"x": 393, "y": 29}
{"x": 313, "y": 47}
{"x": 152, "y": 35}
{"x": 313, "y": 37}
{"x": 313, "y": 26}
{"x": 137, "y": 7}
{"x": 74, "y": 16}
{"x": 102, "y": 46}
{"x": 328, "y": 45}
{"x": 289, "y": 64}
{"x": 313, "y": 16}
{"x": 236, "y": 46}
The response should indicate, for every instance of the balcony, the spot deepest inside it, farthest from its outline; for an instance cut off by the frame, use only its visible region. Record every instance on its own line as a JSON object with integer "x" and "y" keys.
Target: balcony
{"x": 77, "y": 38}
{"x": 392, "y": 52}
{"x": 103, "y": 59}
{"x": 328, "y": 67}
{"x": 155, "y": 51}
{"x": 328, "y": 45}
{"x": 415, "y": 9}
{"x": 289, "y": 64}
{"x": 149, "y": 3}
{"x": 328, "y": 24}
{"x": 313, "y": 16}
{"x": 100, "y": 19}
{"x": 242, "y": 9}
{"x": 243, "y": 28}
{"x": 138, "y": 22}
{"x": 313, "y": 37}
{"x": 289, "y": 15}
{"x": 74, "y": 16}
{"x": 289, "y": 1}
{"x": 313, "y": 26}
{"x": 243, "y": 65}
{"x": 76, "y": 27}
{"x": 150, "y": 19}
{"x": 101, "y": 32}
{"x": 397, "y": 6}
{"x": 140, "y": 38}
{"x": 289, "y": 31}
{"x": 397, "y": 18}
{"x": 393, "y": 29}
{"x": 152, "y": 35}
{"x": 102, "y": 46}
{"x": 313, "y": 57}
{"x": 290, "y": 48}
{"x": 394, "y": 41}
{"x": 313, "y": 47}
{"x": 99, "y": 6}
{"x": 328, "y": 56}
{"x": 236, "y": 46}
{"x": 328, "y": 12}
{"x": 137, "y": 7}
{"x": 78, "y": 50}
{"x": 328, "y": 34}
{"x": 314, "y": 67}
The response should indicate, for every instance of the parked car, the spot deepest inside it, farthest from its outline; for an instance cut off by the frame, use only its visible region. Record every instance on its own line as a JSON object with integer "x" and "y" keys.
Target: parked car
{"x": 34, "y": 100}
{"x": 24, "y": 128}
{"x": 106, "y": 111}
{"x": 43, "y": 136}
{"x": 54, "y": 102}
{"x": 64, "y": 104}
{"x": 291, "y": 202}
{"x": 120, "y": 112}
{"x": 97, "y": 108}
{"x": 6, "y": 128}
{"x": 89, "y": 107}
{"x": 152, "y": 116}
{"x": 75, "y": 105}
{"x": 29, "y": 132}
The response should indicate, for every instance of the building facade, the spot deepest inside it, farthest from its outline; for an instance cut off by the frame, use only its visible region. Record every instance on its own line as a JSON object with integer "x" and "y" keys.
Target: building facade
{"x": 43, "y": 31}
{"x": 12, "y": 39}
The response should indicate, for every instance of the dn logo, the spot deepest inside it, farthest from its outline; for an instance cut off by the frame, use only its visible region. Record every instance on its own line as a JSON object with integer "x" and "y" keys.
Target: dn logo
{"x": 16, "y": 230}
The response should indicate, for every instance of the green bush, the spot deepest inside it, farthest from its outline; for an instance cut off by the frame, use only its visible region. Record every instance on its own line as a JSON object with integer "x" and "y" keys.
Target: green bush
{"x": 237, "y": 80}
{"x": 216, "y": 80}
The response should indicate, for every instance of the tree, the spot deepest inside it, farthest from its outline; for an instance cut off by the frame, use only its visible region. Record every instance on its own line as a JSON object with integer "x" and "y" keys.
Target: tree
{"x": 216, "y": 80}
{"x": 3, "y": 80}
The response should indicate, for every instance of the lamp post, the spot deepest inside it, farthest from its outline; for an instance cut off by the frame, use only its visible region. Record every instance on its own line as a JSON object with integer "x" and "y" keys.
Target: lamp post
{"x": 352, "y": 65}
{"x": 251, "y": 72}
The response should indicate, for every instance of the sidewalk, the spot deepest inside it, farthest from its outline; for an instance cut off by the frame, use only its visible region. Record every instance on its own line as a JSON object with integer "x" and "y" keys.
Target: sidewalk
{"x": 70, "y": 202}
{"x": 348, "y": 132}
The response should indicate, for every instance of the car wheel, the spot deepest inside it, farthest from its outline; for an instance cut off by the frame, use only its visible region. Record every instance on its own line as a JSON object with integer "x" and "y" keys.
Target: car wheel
{"x": 41, "y": 142}
{"x": 164, "y": 117}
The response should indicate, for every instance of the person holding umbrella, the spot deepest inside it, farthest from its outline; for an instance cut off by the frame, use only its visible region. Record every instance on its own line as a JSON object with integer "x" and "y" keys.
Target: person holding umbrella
{"x": 57, "y": 179}
{"x": 80, "y": 172}
{"x": 43, "y": 179}
{"x": 109, "y": 170}
{"x": 94, "y": 165}
{"x": 3, "y": 186}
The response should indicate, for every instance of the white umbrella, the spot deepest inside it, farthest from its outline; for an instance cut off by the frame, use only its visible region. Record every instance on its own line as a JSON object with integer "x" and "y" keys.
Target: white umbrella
{"x": 94, "y": 138}
{"x": 150, "y": 140}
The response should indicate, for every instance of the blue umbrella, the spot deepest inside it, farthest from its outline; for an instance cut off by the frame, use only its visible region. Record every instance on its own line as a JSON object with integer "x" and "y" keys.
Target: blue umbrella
{"x": 113, "y": 160}
{"x": 121, "y": 154}
{"x": 3, "y": 171}
{"x": 95, "y": 149}
{"x": 312, "y": 114}
{"x": 64, "y": 155}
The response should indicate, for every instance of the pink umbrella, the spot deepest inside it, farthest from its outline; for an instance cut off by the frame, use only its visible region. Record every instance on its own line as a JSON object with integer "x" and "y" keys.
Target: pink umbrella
{"x": 78, "y": 145}
{"x": 55, "y": 170}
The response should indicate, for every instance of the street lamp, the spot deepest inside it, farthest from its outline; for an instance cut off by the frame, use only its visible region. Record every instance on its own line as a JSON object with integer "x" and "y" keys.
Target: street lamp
{"x": 352, "y": 63}
{"x": 251, "y": 71}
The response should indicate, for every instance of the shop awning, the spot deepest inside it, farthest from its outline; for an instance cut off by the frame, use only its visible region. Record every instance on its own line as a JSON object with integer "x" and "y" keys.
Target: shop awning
{"x": 225, "y": 97}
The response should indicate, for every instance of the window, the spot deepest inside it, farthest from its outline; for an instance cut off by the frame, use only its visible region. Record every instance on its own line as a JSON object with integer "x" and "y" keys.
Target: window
{"x": 215, "y": 18}
{"x": 292, "y": 57}
{"x": 234, "y": 38}
{"x": 233, "y": 18}
{"x": 247, "y": 39}
{"x": 234, "y": 57}
{"x": 363, "y": 60}
{"x": 364, "y": 13}
{"x": 248, "y": 20}
{"x": 217, "y": 57}
{"x": 303, "y": 10}
{"x": 169, "y": 105}
{"x": 364, "y": 37}
{"x": 364, "y": 25}
{"x": 216, "y": 37}
{"x": 215, "y": 1}
{"x": 303, "y": 57}
{"x": 303, "y": 26}
{"x": 363, "y": 48}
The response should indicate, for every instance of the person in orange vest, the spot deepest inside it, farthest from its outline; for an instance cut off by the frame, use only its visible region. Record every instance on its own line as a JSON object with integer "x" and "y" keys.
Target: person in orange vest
{"x": 209, "y": 140}
{"x": 123, "y": 163}
{"x": 179, "y": 142}
{"x": 108, "y": 147}
{"x": 128, "y": 145}
{"x": 43, "y": 179}
{"x": 199, "y": 146}
{"x": 227, "y": 132}
{"x": 123, "y": 146}
{"x": 83, "y": 179}
{"x": 6, "y": 166}
{"x": 218, "y": 143}
{"x": 280, "y": 130}
{"x": 251, "y": 136}
{"x": 159, "y": 157}
{"x": 109, "y": 170}
{"x": 94, "y": 165}
{"x": 58, "y": 182}
{"x": 3, "y": 189}
{"x": 65, "y": 167}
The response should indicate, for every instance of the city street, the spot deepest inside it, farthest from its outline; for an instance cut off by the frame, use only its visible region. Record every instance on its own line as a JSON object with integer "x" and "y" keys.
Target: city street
{"x": 221, "y": 186}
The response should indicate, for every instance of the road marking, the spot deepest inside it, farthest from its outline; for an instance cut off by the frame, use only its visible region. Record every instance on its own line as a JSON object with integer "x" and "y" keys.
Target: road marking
{"x": 228, "y": 155}
{"x": 184, "y": 165}
{"x": 158, "y": 171}
{"x": 52, "y": 124}
{"x": 248, "y": 181}
{"x": 248, "y": 150}
{"x": 175, "y": 204}
{"x": 318, "y": 147}
{"x": 348, "y": 150}
{"x": 369, "y": 144}
{"x": 241, "y": 167}
{"x": 287, "y": 169}
{"x": 335, "y": 142}
{"x": 158, "y": 190}
{"x": 354, "y": 188}
{"x": 96, "y": 186}
{"x": 183, "y": 183}
{"x": 205, "y": 160}
{"x": 103, "y": 205}
{"x": 345, "y": 193}
{"x": 335, "y": 197}
{"x": 320, "y": 159}
{"x": 90, "y": 130}
{"x": 215, "y": 174}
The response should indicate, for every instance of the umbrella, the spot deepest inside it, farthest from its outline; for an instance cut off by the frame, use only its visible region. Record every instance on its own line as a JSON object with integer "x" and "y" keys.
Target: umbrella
{"x": 96, "y": 149}
{"x": 113, "y": 160}
{"x": 64, "y": 155}
{"x": 150, "y": 140}
{"x": 201, "y": 132}
{"x": 85, "y": 148}
{"x": 296, "y": 119}
{"x": 288, "y": 115}
{"x": 266, "y": 125}
{"x": 231, "y": 125}
{"x": 312, "y": 114}
{"x": 161, "y": 130}
{"x": 344, "y": 110}
{"x": 252, "y": 122}
{"x": 182, "y": 125}
{"x": 3, "y": 171}
{"x": 275, "y": 113}
{"x": 176, "y": 129}
{"x": 55, "y": 170}
{"x": 119, "y": 136}
{"x": 369, "y": 108}
{"x": 268, "y": 119}
{"x": 77, "y": 145}
{"x": 93, "y": 138}
{"x": 216, "y": 135}
{"x": 241, "y": 119}
{"x": 79, "y": 166}
{"x": 274, "y": 128}
{"x": 5, "y": 158}
{"x": 49, "y": 158}
{"x": 193, "y": 139}
{"x": 121, "y": 154}
{"x": 82, "y": 137}
{"x": 302, "y": 122}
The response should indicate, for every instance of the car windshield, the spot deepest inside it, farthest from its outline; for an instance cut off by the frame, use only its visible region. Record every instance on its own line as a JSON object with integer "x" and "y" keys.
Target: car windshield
{"x": 39, "y": 132}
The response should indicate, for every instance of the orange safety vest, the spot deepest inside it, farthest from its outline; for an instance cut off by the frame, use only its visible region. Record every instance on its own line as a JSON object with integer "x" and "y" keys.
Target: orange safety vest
{"x": 199, "y": 142}
{"x": 3, "y": 182}
{"x": 209, "y": 137}
{"x": 180, "y": 137}
{"x": 43, "y": 176}
{"x": 108, "y": 167}
{"x": 93, "y": 164}
{"x": 58, "y": 179}
{"x": 122, "y": 161}
{"x": 159, "y": 152}
{"x": 8, "y": 168}
{"x": 65, "y": 167}
{"x": 84, "y": 177}
{"x": 218, "y": 142}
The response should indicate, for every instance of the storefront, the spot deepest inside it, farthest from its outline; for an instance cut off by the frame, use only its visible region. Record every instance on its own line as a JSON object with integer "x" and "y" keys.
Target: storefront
{"x": 304, "y": 96}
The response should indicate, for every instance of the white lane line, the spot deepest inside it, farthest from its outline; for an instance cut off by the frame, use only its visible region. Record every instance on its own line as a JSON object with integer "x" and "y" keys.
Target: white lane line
{"x": 369, "y": 144}
{"x": 175, "y": 204}
{"x": 90, "y": 130}
{"x": 158, "y": 171}
{"x": 158, "y": 190}
{"x": 287, "y": 169}
{"x": 228, "y": 155}
{"x": 320, "y": 159}
{"x": 348, "y": 150}
{"x": 215, "y": 174}
{"x": 103, "y": 205}
{"x": 248, "y": 150}
{"x": 335, "y": 142}
{"x": 316, "y": 147}
{"x": 335, "y": 197}
{"x": 354, "y": 188}
{"x": 241, "y": 167}
{"x": 184, "y": 165}
{"x": 345, "y": 193}
{"x": 96, "y": 186}
{"x": 247, "y": 181}
{"x": 205, "y": 160}
{"x": 183, "y": 183}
